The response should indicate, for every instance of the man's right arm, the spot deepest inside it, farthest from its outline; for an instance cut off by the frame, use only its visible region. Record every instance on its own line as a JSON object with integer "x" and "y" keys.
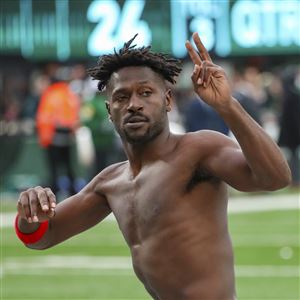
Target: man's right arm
{"x": 70, "y": 217}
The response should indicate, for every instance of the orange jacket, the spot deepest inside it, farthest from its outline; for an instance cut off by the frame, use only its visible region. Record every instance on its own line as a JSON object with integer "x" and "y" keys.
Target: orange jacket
{"x": 58, "y": 107}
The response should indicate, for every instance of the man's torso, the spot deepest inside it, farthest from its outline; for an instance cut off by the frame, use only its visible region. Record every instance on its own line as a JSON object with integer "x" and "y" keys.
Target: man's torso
{"x": 173, "y": 216}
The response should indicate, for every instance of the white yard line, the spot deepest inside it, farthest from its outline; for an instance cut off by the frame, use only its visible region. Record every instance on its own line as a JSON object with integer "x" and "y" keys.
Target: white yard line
{"x": 267, "y": 271}
{"x": 7, "y": 219}
{"x": 69, "y": 262}
{"x": 263, "y": 203}
{"x": 110, "y": 265}
{"x": 270, "y": 239}
{"x": 236, "y": 205}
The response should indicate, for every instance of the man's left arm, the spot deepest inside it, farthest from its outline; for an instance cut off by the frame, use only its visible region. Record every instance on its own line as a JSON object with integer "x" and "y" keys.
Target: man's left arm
{"x": 261, "y": 164}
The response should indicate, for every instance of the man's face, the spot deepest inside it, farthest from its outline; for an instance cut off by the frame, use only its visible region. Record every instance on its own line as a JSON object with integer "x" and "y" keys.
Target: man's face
{"x": 138, "y": 104}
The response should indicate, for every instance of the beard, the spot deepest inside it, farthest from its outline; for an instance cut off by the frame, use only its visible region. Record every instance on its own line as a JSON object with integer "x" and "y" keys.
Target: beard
{"x": 143, "y": 136}
{"x": 151, "y": 133}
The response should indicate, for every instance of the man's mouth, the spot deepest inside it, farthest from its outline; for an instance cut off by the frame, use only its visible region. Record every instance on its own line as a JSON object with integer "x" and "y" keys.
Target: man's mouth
{"x": 135, "y": 122}
{"x": 135, "y": 119}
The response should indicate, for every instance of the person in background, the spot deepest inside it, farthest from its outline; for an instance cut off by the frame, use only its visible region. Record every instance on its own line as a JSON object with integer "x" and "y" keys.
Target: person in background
{"x": 93, "y": 114}
{"x": 57, "y": 118}
{"x": 289, "y": 137}
{"x": 248, "y": 92}
{"x": 198, "y": 115}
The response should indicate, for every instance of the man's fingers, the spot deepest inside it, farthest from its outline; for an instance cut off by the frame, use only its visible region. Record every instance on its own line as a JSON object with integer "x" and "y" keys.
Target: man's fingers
{"x": 193, "y": 53}
{"x": 202, "y": 50}
{"x": 23, "y": 207}
{"x": 51, "y": 213}
{"x": 207, "y": 73}
{"x": 43, "y": 199}
{"x": 33, "y": 203}
{"x": 196, "y": 72}
{"x": 51, "y": 197}
{"x": 36, "y": 203}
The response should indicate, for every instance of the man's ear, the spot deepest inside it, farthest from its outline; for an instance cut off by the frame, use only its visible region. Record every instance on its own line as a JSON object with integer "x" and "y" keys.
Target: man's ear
{"x": 169, "y": 100}
{"x": 108, "y": 110}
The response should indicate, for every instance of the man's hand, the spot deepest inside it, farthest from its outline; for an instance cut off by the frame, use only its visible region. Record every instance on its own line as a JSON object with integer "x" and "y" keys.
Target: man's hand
{"x": 210, "y": 81}
{"x": 36, "y": 204}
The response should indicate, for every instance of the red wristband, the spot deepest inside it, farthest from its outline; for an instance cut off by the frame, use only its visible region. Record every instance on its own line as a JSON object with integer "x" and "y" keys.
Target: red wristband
{"x": 31, "y": 238}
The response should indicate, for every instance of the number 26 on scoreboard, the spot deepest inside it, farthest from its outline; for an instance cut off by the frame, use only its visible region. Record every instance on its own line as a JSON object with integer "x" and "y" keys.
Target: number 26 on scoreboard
{"x": 115, "y": 26}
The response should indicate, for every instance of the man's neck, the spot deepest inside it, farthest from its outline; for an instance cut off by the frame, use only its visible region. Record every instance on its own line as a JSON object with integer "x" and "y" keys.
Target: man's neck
{"x": 141, "y": 154}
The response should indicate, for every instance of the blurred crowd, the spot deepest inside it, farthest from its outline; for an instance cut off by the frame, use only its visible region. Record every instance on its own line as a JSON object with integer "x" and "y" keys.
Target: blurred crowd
{"x": 60, "y": 105}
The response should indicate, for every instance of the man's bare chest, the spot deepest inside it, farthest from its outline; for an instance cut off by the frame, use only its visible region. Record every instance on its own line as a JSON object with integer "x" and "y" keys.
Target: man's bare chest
{"x": 138, "y": 202}
{"x": 147, "y": 200}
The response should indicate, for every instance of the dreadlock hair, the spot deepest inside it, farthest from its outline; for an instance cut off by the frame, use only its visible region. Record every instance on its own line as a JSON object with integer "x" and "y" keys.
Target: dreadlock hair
{"x": 128, "y": 55}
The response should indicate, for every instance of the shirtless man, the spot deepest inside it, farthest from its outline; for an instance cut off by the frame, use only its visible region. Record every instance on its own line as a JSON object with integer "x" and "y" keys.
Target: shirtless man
{"x": 170, "y": 197}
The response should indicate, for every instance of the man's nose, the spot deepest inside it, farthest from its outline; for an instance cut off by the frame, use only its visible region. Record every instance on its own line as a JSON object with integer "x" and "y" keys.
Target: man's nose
{"x": 135, "y": 104}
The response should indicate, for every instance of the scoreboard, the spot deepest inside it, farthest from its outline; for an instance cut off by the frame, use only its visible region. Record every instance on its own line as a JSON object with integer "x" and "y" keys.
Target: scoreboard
{"x": 80, "y": 29}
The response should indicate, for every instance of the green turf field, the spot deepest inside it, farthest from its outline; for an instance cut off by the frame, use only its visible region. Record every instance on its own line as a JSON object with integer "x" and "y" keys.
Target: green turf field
{"x": 96, "y": 264}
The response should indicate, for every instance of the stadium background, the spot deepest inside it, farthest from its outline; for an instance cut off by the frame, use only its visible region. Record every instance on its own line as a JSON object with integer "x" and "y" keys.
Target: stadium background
{"x": 258, "y": 44}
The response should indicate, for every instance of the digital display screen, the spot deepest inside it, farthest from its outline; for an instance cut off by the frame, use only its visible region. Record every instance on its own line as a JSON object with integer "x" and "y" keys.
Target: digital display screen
{"x": 76, "y": 29}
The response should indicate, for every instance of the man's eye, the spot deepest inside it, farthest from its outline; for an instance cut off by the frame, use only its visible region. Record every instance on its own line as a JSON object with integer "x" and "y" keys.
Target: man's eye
{"x": 146, "y": 93}
{"x": 121, "y": 98}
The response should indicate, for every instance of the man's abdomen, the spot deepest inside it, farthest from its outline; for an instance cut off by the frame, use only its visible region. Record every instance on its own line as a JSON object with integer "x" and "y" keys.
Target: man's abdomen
{"x": 182, "y": 264}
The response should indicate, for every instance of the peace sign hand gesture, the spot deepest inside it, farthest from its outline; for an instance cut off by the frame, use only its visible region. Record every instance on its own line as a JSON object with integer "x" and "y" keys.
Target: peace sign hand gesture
{"x": 210, "y": 81}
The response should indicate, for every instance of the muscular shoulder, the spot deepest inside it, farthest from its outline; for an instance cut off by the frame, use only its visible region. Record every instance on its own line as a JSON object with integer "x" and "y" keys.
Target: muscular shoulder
{"x": 114, "y": 170}
{"x": 111, "y": 172}
{"x": 207, "y": 140}
{"x": 100, "y": 182}
{"x": 197, "y": 148}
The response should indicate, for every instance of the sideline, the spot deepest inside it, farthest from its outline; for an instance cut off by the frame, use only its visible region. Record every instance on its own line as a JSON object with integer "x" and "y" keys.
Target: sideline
{"x": 245, "y": 204}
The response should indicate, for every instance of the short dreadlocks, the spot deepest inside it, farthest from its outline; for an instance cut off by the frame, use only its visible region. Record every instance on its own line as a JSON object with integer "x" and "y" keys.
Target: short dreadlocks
{"x": 162, "y": 64}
